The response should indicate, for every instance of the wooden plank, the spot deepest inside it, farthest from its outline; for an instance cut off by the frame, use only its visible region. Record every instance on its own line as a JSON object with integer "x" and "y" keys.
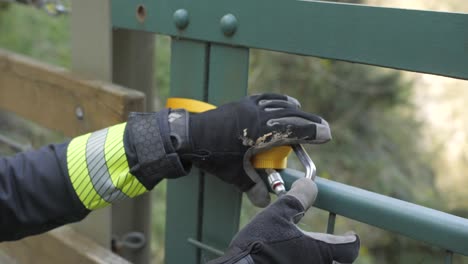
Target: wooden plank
{"x": 5, "y": 259}
{"x": 62, "y": 245}
{"x": 51, "y": 96}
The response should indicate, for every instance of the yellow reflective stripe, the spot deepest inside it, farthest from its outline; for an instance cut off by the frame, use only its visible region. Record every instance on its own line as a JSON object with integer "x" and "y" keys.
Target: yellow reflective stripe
{"x": 79, "y": 174}
{"x": 98, "y": 168}
{"x": 118, "y": 165}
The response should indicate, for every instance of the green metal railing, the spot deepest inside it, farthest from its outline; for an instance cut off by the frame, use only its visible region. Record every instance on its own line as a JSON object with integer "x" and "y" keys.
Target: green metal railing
{"x": 210, "y": 58}
{"x": 422, "y": 41}
{"x": 424, "y": 224}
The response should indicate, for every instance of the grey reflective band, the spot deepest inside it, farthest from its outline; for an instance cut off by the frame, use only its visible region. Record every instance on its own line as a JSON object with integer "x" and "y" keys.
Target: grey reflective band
{"x": 98, "y": 170}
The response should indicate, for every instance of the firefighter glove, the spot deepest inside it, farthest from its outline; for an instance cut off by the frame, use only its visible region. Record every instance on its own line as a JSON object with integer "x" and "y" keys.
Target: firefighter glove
{"x": 222, "y": 141}
{"x": 273, "y": 237}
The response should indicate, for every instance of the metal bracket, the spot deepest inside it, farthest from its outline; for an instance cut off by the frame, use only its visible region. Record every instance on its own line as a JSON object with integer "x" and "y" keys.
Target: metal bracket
{"x": 132, "y": 241}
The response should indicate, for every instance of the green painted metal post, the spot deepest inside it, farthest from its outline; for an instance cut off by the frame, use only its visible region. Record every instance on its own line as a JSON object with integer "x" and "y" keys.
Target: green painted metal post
{"x": 228, "y": 77}
{"x": 331, "y": 223}
{"x": 211, "y": 208}
{"x": 188, "y": 79}
{"x": 448, "y": 257}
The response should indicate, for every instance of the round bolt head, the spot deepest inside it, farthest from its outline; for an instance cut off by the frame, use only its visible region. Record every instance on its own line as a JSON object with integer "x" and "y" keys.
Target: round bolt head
{"x": 228, "y": 24}
{"x": 181, "y": 18}
{"x": 141, "y": 13}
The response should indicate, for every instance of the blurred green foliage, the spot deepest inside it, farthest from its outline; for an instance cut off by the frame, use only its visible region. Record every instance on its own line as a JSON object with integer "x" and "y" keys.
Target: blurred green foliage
{"x": 376, "y": 137}
{"x": 30, "y": 31}
{"x": 27, "y": 31}
{"x": 376, "y": 142}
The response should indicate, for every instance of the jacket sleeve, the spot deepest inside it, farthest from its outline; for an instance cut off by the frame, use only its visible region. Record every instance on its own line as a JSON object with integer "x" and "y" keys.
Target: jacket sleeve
{"x": 62, "y": 183}
{"x": 35, "y": 193}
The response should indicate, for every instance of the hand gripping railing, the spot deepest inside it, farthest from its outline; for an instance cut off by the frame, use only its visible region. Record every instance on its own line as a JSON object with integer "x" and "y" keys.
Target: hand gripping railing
{"x": 431, "y": 226}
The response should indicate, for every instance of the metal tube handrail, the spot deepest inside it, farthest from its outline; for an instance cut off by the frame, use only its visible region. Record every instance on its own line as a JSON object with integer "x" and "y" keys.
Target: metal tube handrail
{"x": 421, "y": 223}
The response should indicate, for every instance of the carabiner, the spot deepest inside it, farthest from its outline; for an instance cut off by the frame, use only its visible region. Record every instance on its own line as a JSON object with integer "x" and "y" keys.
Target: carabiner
{"x": 276, "y": 181}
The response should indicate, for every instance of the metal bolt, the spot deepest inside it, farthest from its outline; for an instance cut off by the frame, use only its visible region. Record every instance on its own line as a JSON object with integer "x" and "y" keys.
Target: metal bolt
{"x": 79, "y": 113}
{"x": 141, "y": 13}
{"x": 276, "y": 182}
{"x": 228, "y": 24}
{"x": 181, "y": 18}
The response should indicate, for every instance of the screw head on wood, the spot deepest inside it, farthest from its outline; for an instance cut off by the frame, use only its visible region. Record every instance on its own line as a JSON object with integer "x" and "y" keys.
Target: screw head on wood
{"x": 181, "y": 18}
{"x": 79, "y": 113}
{"x": 228, "y": 24}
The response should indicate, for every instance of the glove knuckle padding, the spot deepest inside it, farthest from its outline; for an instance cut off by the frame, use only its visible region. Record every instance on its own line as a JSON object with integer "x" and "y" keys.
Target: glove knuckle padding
{"x": 267, "y": 96}
{"x": 272, "y": 105}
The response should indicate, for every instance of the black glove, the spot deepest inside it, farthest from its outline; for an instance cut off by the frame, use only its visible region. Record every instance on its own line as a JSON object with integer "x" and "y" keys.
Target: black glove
{"x": 222, "y": 141}
{"x": 272, "y": 236}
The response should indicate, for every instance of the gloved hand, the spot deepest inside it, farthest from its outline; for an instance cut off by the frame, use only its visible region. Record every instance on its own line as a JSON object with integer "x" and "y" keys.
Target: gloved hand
{"x": 272, "y": 236}
{"x": 222, "y": 141}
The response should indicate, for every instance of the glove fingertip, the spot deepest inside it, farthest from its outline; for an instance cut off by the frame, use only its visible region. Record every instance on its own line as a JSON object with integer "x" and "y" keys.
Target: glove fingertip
{"x": 304, "y": 190}
{"x": 259, "y": 195}
{"x": 294, "y": 101}
{"x": 323, "y": 132}
{"x": 357, "y": 246}
{"x": 348, "y": 253}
